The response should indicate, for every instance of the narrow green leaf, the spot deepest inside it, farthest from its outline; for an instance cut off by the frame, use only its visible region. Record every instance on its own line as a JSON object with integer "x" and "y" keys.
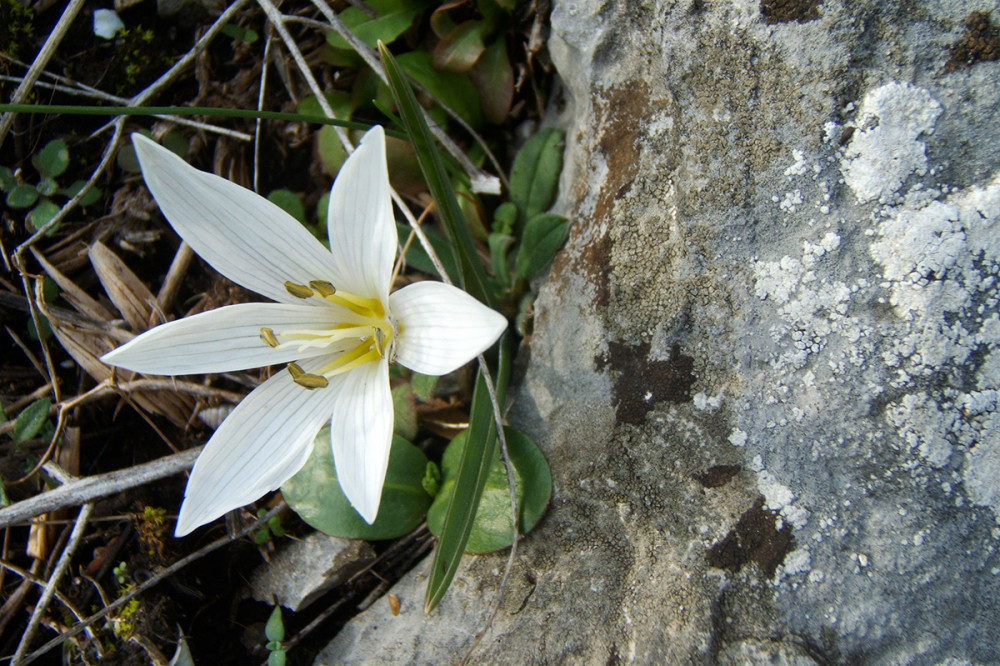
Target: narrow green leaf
{"x": 534, "y": 175}
{"x": 314, "y": 493}
{"x": 275, "y": 628}
{"x": 31, "y": 419}
{"x": 499, "y": 245}
{"x": 543, "y": 236}
{"x": 493, "y": 527}
{"x": 471, "y": 276}
{"x": 22, "y": 196}
{"x": 53, "y": 159}
{"x": 470, "y": 480}
{"x": 460, "y": 48}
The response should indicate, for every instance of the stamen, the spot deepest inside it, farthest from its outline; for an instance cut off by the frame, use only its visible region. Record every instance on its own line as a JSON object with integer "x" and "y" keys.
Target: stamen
{"x": 298, "y": 290}
{"x": 366, "y": 307}
{"x": 306, "y": 379}
{"x": 267, "y": 337}
{"x": 323, "y": 288}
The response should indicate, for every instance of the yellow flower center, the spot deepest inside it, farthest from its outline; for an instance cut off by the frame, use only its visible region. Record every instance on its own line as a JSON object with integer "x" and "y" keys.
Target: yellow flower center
{"x": 369, "y": 335}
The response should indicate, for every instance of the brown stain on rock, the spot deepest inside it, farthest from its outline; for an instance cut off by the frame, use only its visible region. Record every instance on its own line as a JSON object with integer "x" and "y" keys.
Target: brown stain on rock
{"x": 642, "y": 383}
{"x": 784, "y": 11}
{"x": 754, "y": 539}
{"x": 981, "y": 42}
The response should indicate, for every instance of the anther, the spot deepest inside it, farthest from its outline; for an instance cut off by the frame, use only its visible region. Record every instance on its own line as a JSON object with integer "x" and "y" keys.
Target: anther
{"x": 306, "y": 379}
{"x": 298, "y": 290}
{"x": 268, "y": 338}
{"x": 323, "y": 288}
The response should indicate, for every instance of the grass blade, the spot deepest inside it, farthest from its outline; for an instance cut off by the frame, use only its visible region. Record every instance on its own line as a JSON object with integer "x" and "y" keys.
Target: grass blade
{"x": 472, "y": 474}
{"x": 472, "y": 276}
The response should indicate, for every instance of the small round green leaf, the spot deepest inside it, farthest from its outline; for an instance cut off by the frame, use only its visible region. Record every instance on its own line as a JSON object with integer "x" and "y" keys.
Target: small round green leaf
{"x": 404, "y": 412}
{"x": 89, "y": 199}
{"x": 176, "y": 143}
{"x": 43, "y": 212}
{"x": 47, "y": 187}
{"x": 491, "y": 529}
{"x": 289, "y": 202}
{"x": 22, "y": 196}
{"x": 314, "y": 493}
{"x": 276, "y": 658}
{"x": 53, "y": 159}
{"x": 127, "y": 160}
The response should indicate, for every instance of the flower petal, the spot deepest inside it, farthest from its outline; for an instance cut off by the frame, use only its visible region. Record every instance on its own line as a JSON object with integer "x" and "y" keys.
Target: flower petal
{"x": 242, "y": 235}
{"x": 441, "y": 328}
{"x": 222, "y": 340}
{"x": 361, "y": 435}
{"x": 258, "y": 447}
{"x": 360, "y": 221}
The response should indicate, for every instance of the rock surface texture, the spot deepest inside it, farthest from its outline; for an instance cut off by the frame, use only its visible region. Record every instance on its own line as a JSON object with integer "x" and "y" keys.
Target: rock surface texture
{"x": 765, "y": 368}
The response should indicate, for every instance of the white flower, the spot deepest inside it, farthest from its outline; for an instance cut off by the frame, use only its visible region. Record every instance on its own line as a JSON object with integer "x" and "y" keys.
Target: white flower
{"x": 335, "y": 325}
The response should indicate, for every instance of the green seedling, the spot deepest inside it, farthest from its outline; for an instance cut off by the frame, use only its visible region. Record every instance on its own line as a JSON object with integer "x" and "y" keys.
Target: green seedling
{"x": 50, "y": 163}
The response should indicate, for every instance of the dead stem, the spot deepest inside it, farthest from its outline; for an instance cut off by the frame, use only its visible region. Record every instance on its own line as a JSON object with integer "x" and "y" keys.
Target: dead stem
{"x": 153, "y": 580}
{"x": 50, "y": 586}
{"x": 90, "y": 488}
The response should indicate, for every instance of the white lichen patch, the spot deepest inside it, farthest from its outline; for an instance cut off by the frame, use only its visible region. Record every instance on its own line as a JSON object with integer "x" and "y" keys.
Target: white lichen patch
{"x": 885, "y": 150}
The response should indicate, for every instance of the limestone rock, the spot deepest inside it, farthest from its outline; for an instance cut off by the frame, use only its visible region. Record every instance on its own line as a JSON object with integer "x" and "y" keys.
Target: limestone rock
{"x": 765, "y": 368}
{"x": 304, "y": 569}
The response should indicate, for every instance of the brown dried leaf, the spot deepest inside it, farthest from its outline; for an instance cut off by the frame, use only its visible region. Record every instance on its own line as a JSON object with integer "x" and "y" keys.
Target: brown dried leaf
{"x": 132, "y": 298}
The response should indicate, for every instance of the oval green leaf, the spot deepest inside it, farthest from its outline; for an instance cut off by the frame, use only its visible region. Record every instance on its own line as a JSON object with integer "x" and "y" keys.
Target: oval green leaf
{"x": 42, "y": 213}
{"x": 543, "y": 236}
{"x": 22, "y": 196}
{"x": 53, "y": 159}
{"x": 314, "y": 493}
{"x": 491, "y": 529}
{"x": 460, "y": 48}
{"x": 535, "y": 173}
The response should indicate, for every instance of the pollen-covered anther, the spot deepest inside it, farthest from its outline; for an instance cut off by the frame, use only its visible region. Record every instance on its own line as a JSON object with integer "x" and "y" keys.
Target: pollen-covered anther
{"x": 268, "y": 338}
{"x": 298, "y": 290}
{"x": 323, "y": 288}
{"x": 306, "y": 379}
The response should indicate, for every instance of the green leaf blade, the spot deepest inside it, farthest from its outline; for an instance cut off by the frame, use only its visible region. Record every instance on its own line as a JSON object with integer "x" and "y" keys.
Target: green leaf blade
{"x": 31, "y": 419}
{"x": 534, "y": 175}
{"x": 470, "y": 481}
{"x": 472, "y": 276}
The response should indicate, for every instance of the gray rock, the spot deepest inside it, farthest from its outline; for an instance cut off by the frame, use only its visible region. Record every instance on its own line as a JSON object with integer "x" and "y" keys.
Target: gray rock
{"x": 306, "y": 568}
{"x": 765, "y": 368}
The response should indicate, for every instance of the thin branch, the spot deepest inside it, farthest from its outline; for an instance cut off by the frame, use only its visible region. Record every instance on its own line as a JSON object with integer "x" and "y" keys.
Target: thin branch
{"x": 153, "y": 580}
{"x": 50, "y": 586}
{"x": 90, "y": 488}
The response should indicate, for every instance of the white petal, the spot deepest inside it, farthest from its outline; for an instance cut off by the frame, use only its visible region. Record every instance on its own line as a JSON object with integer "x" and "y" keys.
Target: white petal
{"x": 258, "y": 447}
{"x": 360, "y": 221}
{"x": 441, "y": 328}
{"x": 222, "y": 340}
{"x": 361, "y": 435}
{"x": 242, "y": 235}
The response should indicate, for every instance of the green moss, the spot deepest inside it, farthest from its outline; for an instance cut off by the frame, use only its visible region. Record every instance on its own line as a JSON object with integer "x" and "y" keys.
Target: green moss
{"x": 17, "y": 29}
